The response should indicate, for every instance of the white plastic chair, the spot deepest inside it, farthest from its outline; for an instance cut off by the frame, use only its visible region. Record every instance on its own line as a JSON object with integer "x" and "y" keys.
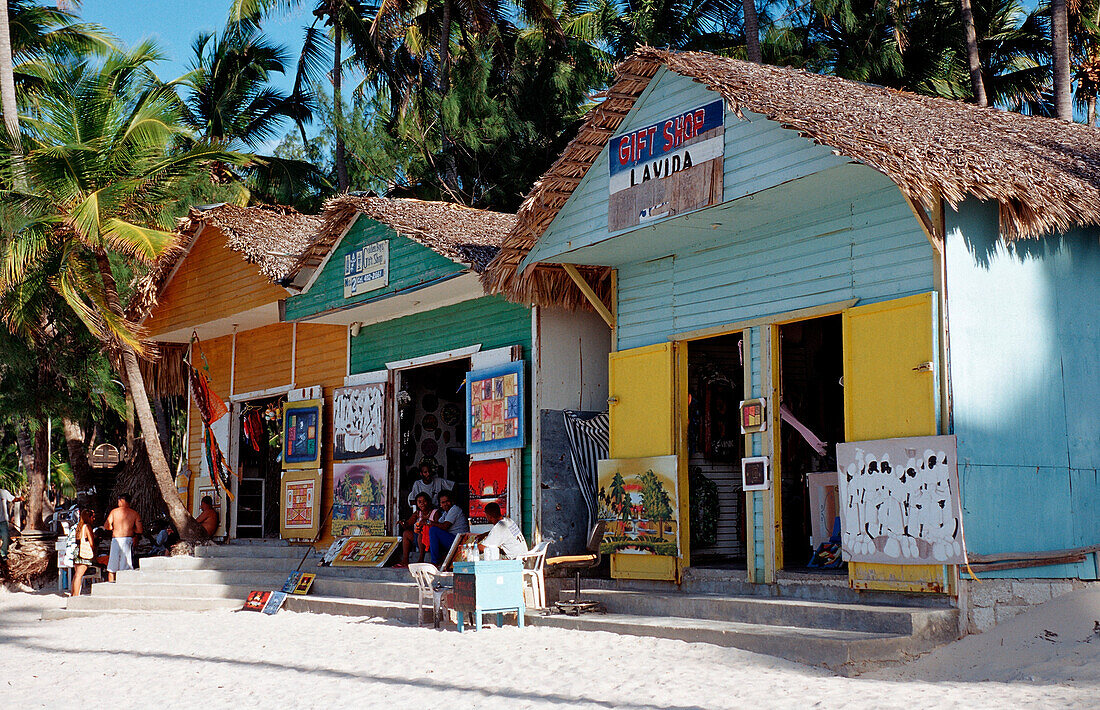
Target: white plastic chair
{"x": 534, "y": 562}
{"x": 429, "y": 587}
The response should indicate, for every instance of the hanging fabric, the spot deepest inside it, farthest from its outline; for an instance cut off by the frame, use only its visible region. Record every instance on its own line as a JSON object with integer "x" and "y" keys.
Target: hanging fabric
{"x": 589, "y": 441}
{"x": 211, "y": 408}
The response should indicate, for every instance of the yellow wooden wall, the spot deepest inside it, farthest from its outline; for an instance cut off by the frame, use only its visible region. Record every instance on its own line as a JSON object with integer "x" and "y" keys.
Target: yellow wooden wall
{"x": 263, "y": 362}
{"x": 211, "y": 283}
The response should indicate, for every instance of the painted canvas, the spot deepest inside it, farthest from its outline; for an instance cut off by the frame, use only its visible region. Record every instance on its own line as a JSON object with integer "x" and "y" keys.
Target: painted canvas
{"x": 488, "y": 484}
{"x": 300, "y": 504}
{"x": 256, "y": 600}
{"x": 332, "y": 551}
{"x": 358, "y": 422}
{"x": 299, "y": 582}
{"x": 638, "y": 499}
{"x": 899, "y": 501}
{"x": 359, "y": 498}
{"x": 302, "y": 434}
{"x": 495, "y": 408}
{"x": 274, "y": 602}
{"x": 366, "y": 551}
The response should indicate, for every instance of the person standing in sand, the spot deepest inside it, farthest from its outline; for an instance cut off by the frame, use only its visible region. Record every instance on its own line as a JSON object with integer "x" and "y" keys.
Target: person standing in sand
{"x": 124, "y": 524}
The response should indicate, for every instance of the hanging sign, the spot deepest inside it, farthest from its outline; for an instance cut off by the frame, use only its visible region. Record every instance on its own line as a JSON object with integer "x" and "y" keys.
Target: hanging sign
{"x": 667, "y": 168}
{"x": 494, "y": 408}
{"x": 367, "y": 269}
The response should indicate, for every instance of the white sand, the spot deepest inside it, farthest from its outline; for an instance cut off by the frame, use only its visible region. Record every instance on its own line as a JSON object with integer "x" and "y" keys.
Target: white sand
{"x": 246, "y": 660}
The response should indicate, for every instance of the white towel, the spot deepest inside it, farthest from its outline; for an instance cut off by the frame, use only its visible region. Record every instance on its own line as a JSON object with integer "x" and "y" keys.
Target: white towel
{"x": 120, "y": 558}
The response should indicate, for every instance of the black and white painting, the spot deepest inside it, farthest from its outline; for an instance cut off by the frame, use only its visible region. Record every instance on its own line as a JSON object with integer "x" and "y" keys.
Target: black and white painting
{"x": 358, "y": 421}
{"x": 899, "y": 501}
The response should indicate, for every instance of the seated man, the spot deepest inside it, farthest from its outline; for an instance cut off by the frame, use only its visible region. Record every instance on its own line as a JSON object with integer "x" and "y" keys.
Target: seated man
{"x": 208, "y": 516}
{"x": 505, "y": 540}
{"x": 442, "y": 532}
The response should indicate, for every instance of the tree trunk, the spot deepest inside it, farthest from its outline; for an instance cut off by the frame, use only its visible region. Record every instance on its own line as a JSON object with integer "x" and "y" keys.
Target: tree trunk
{"x": 752, "y": 31}
{"x": 163, "y": 428}
{"x": 1092, "y": 110}
{"x": 36, "y": 480}
{"x": 181, "y": 518}
{"x": 449, "y": 178}
{"x": 131, "y": 423}
{"x": 25, "y": 443}
{"x": 8, "y": 103}
{"x": 78, "y": 456}
{"x": 973, "y": 59}
{"x": 342, "y": 181}
{"x": 1059, "y": 37}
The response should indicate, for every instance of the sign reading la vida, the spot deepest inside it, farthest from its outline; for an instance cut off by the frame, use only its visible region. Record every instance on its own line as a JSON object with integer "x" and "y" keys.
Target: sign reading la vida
{"x": 668, "y": 168}
{"x": 367, "y": 269}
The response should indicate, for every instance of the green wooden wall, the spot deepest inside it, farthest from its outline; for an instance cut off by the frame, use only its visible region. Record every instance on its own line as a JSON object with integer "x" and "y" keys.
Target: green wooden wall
{"x": 489, "y": 321}
{"x": 412, "y": 265}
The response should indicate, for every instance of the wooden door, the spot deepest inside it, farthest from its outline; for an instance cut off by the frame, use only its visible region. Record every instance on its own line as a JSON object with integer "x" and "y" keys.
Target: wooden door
{"x": 890, "y": 389}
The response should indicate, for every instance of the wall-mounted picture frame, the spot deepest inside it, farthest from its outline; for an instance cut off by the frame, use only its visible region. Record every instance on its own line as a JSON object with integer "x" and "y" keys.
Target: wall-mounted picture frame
{"x": 496, "y": 408}
{"x": 756, "y": 473}
{"x": 302, "y": 433}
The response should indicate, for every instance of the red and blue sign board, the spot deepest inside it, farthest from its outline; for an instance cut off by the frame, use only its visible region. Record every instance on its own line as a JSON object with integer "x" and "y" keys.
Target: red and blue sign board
{"x": 666, "y": 168}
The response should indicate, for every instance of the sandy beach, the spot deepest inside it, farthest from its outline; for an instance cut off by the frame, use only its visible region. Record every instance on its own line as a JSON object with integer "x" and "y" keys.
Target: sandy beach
{"x": 242, "y": 660}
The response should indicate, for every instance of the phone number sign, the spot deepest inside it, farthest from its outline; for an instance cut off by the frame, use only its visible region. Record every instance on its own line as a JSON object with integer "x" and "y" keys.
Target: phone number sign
{"x": 367, "y": 269}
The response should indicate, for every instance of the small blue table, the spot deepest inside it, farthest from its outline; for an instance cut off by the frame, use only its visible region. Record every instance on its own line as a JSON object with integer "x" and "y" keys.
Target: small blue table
{"x": 491, "y": 586}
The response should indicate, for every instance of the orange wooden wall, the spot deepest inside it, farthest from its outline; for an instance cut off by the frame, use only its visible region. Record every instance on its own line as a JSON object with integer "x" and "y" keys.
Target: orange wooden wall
{"x": 212, "y": 283}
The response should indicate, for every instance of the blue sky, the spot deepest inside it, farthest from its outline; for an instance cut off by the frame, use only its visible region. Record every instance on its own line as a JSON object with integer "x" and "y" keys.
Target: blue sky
{"x": 174, "y": 23}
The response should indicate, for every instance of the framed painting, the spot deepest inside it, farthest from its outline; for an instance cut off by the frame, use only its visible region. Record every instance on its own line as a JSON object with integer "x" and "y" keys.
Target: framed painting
{"x": 496, "y": 408}
{"x": 638, "y": 498}
{"x": 359, "y": 422}
{"x": 302, "y": 434}
{"x": 365, "y": 551}
{"x": 300, "y": 504}
{"x": 359, "y": 498}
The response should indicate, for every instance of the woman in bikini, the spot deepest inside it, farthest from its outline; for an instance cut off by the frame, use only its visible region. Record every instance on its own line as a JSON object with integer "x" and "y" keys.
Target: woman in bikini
{"x": 85, "y": 549}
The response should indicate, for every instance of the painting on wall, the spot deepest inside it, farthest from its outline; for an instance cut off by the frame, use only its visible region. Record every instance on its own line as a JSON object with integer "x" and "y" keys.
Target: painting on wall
{"x": 365, "y": 551}
{"x": 495, "y": 411}
{"x": 358, "y": 422}
{"x": 302, "y": 434}
{"x": 899, "y": 501}
{"x": 668, "y": 168}
{"x": 488, "y": 484}
{"x": 300, "y": 504}
{"x": 639, "y": 501}
{"x": 359, "y": 498}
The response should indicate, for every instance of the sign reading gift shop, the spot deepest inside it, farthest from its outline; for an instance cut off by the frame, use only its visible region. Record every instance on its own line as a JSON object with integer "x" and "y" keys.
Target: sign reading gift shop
{"x": 495, "y": 408}
{"x": 667, "y": 168}
{"x": 367, "y": 269}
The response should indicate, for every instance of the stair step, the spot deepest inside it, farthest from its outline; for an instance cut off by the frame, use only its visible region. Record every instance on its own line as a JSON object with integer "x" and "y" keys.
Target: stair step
{"x": 833, "y": 648}
{"x": 378, "y": 591}
{"x": 105, "y": 602}
{"x": 774, "y": 611}
{"x": 252, "y": 551}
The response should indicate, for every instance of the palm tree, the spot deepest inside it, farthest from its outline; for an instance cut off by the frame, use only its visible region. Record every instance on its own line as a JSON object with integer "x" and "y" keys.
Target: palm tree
{"x": 974, "y": 63}
{"x": 8, "y": 103}
{"x": 1059, "y": 38}
{"x": 100, "y": 171}
{"x": 752, "y": 31}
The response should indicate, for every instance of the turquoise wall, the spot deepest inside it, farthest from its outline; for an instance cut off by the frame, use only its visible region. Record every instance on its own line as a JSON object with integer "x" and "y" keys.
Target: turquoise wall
{"x": 412, "y": 265}
{"x": 1025, "y": 374}
{"x": 489, "y": 321}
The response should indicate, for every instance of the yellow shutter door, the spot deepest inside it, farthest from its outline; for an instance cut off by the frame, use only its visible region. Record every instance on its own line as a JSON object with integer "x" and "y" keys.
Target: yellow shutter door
{"x": 890, "y": 391}
{"x": 645, "y": 419}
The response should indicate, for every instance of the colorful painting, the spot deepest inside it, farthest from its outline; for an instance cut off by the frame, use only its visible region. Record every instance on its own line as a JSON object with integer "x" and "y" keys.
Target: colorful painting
{"x": 488, "y": 484}
{"x": 365, "y": 551}
{"x": 302, "y": 434}
{"x": 458, "y": 551}
{"x": 899, "y": 501}
{"x": 359, "y": 498}
{"x": 667, "y": 168}
{"x": 359, "y": 422}
{"x": 256, "y": 600}
{"x": 331, "y": 552}
{"x": 274, "y": 603}
{"x": 300, "y": 504}
{"x": 638, "y": 498}
{"x": 495, "y": 411}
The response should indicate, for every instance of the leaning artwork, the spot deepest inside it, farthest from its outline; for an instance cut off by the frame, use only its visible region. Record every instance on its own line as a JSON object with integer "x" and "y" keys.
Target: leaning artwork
{"x": 638, "y": 499}
{"x": 358, "y": 422}
{"x": 900, "y": 503}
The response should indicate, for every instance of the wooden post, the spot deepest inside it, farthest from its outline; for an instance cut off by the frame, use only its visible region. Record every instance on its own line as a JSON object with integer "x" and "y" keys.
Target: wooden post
{"x": 590, "y": 294}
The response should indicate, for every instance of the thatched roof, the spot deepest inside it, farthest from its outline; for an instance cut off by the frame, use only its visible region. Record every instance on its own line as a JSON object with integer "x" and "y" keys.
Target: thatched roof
{"x": 468, "y": 236}
{"x": 1044, "y": 173}
{"x": 270, "y": 237}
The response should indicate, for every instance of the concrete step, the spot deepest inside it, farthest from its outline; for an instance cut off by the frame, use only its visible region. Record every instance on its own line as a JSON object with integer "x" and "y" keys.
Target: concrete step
{"x": 778, "y": 612}
{"x": 282, "y": 550}
{"x": 239, "y": 589}
{"x": 832, "y": 648}
{"x": 181, "y": 569}
{"x": 107, "y": 602}
{"x": 251, "y": 563}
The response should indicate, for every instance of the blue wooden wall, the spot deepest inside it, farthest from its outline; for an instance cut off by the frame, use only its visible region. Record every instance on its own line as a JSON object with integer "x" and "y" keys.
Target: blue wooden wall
{"x": 1025, "y": 374}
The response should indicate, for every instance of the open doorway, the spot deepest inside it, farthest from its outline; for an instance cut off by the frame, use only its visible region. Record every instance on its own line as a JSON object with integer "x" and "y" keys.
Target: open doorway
{"x": 715, "y": 449}
{"x": 260, "y": 466}
{"x": 812, "y": 422}
{"x": 432, "y": 429}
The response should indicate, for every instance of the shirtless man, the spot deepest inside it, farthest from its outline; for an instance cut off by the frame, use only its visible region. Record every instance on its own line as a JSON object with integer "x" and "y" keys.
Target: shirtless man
{"x": 208, "y": 515}
{"x": 124, "y": 524}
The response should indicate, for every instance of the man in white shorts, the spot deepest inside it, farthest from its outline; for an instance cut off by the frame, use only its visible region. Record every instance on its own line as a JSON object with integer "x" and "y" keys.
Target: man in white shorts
{"x": 124, "y": 524}
{"x": 504, "y": 540}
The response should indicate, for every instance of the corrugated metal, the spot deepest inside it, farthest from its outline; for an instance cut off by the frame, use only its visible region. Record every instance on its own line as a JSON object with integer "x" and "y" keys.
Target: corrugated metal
{"x": 411, "y": 264}
{"x": 759, "y": 154}
{"x": 490, "y": 321}
{"x": 1025, "y": 333}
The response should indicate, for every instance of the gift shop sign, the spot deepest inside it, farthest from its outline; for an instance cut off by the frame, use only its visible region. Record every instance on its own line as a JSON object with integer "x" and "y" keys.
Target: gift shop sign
{"x": 668, "y": 168}
{"x": 367, "y": 269}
